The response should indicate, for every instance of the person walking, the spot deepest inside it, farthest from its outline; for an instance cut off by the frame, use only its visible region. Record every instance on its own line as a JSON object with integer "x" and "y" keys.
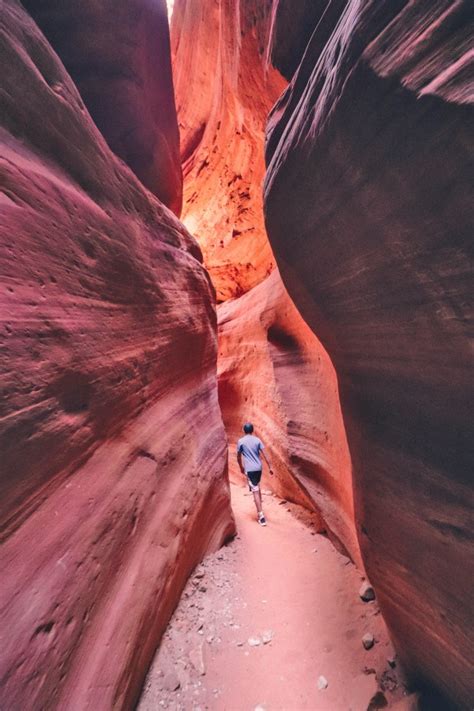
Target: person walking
{"x": 249, "y": 448}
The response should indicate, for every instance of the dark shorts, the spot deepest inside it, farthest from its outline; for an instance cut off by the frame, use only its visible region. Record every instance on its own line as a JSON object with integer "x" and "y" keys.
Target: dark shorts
{"x": 254, "y": 477}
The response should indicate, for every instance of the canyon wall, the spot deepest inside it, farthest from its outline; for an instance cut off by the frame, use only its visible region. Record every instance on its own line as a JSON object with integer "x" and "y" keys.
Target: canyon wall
{"x": 272, "y": 369}
{"x": 113, "y": 481}
{"x": 369, "y": 214}
{"x": 224, "y": 91}
{"x": 118, "y": 55}
{"x": 274, "y": 372}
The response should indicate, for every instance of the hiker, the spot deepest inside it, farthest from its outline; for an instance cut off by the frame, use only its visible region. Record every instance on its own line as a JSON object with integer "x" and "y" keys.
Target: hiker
{"x": 249, "y": 447}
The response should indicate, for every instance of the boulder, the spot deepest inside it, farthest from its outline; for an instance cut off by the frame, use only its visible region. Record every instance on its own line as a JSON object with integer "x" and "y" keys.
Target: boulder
{"x": 368, "y": 205}
{"x": 113, "y": 481}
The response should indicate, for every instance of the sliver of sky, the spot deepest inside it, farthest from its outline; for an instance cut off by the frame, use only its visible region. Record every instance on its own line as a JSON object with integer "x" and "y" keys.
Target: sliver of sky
{"x": 170, "y": 4}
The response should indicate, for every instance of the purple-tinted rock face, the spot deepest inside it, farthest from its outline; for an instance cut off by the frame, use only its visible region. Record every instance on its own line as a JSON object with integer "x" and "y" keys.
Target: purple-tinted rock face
{"x": 118, "y": 54}
{"x": 370, "y": 218}
{"x": 108, "y": 380}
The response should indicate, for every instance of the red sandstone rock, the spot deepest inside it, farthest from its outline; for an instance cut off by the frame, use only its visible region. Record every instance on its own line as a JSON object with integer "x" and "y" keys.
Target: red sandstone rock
{"x": 118, "y": 54}
{"x": 112, "y": 447}
{"x": 291, "y": 26}
{"x": 274, "y": 372}
{"x": 370, "y": 217}
{"x": 223, "y": 95}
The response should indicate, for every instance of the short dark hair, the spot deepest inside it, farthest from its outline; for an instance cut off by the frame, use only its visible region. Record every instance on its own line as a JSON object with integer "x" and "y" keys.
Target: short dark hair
{"x": 248, "y": 428}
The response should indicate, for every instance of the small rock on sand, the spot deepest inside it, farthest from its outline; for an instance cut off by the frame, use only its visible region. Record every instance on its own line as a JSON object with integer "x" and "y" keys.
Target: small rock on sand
{"x": 378, "y": 701}
{"x": 322, "y": 683}
{"x": 197, "y": 660}
{"x": 267, "y": 636}
{"x": 366, "y": 592}
{"x": 171, "y": 682}
{"x": 254, "y": 641}
{"x": 368, "y": 640}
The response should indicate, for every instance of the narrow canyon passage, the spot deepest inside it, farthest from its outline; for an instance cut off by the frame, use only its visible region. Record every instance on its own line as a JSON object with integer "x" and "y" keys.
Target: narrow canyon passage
{"x": 268, "y": 615}
{"x": 259, "y": 211}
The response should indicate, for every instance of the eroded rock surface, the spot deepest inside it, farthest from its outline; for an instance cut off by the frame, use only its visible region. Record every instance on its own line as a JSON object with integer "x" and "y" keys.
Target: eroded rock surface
{"x": 118, "y": 54}
{"x": 113, "y": 452}
{"x": 274, "y": 372}
{"x": 369, "y": 216}
{"x": 224, "y": 92}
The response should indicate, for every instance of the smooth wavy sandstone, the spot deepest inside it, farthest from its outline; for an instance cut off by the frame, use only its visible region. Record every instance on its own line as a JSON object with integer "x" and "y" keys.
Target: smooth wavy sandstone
{"x": 369, "y": 214}
{"x": 224, "y": 91}
{"x": 274, "y": 372}
{"x": 113, "y": 481}
{"x": 118, "y": 55}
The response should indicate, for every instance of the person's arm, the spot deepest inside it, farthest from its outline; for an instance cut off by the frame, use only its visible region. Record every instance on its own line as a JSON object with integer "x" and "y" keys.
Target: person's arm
{"x": 239, "y": 461}
{"x": 267, "y": 461}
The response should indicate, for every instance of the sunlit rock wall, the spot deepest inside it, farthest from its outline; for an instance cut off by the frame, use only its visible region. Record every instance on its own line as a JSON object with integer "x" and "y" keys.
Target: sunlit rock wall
{"x": 274, "y": 372}
{"x": 113, "y": 455}
{"x": 118, "y": 54}
{"x": 223, "y": 95}
{"x": 369, "y": 212}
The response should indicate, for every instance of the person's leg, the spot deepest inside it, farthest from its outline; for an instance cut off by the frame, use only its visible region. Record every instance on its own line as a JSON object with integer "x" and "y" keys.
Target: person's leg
{"x": 254, "y": 479}
{"x": 257, "y": 497}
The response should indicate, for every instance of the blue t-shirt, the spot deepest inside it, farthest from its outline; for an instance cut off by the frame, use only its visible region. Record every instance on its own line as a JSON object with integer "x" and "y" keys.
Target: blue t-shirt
{"x": 250, "y": 447}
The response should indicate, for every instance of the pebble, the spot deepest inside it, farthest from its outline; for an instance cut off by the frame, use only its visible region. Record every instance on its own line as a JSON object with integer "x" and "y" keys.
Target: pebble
{"x": 254, "y": 641}
{"x": 197, "y": 660}
{"x": 378, "y": 701}
{"x": 267, "y": 636}
{"x": 368, "y": 640}
{"x": 366, "y": 592}
{"x": 171, "y": 682}
{"x": 322, "y": 683}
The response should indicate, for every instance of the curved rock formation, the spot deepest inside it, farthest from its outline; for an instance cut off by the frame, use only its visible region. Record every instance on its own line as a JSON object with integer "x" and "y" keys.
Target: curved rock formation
{"x": 118, "y": 54}
{"x": 274, "y": 372}
{"x": 223, "y": 96}
{"x": 113, "y": 452}
{"x": 370, "y": 218}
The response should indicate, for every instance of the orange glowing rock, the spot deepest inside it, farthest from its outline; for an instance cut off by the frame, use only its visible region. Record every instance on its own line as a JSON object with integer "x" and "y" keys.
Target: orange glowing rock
{"x": 223, "y": 94}
{"x": 274, "y": 372}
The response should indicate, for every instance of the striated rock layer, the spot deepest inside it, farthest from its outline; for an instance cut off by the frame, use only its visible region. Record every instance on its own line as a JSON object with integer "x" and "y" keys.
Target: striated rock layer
{"x": 112, "y": 447}
{"x": 223, "y": 95}
{"x": 369, "y": 215}
{"x": 274, "y": 372}
{"x": 118, "y": 54}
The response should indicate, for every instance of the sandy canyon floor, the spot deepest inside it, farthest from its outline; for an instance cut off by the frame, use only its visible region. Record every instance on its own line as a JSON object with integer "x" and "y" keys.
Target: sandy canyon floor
{"x": 265, "y": 618}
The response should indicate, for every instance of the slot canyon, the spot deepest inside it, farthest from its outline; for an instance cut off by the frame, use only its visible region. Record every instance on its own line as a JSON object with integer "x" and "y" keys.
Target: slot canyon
{"x": 215, "y": 212}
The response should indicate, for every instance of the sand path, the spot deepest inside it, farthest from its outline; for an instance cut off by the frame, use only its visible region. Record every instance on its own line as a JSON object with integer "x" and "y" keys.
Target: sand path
{"x": 288, "y": 582}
